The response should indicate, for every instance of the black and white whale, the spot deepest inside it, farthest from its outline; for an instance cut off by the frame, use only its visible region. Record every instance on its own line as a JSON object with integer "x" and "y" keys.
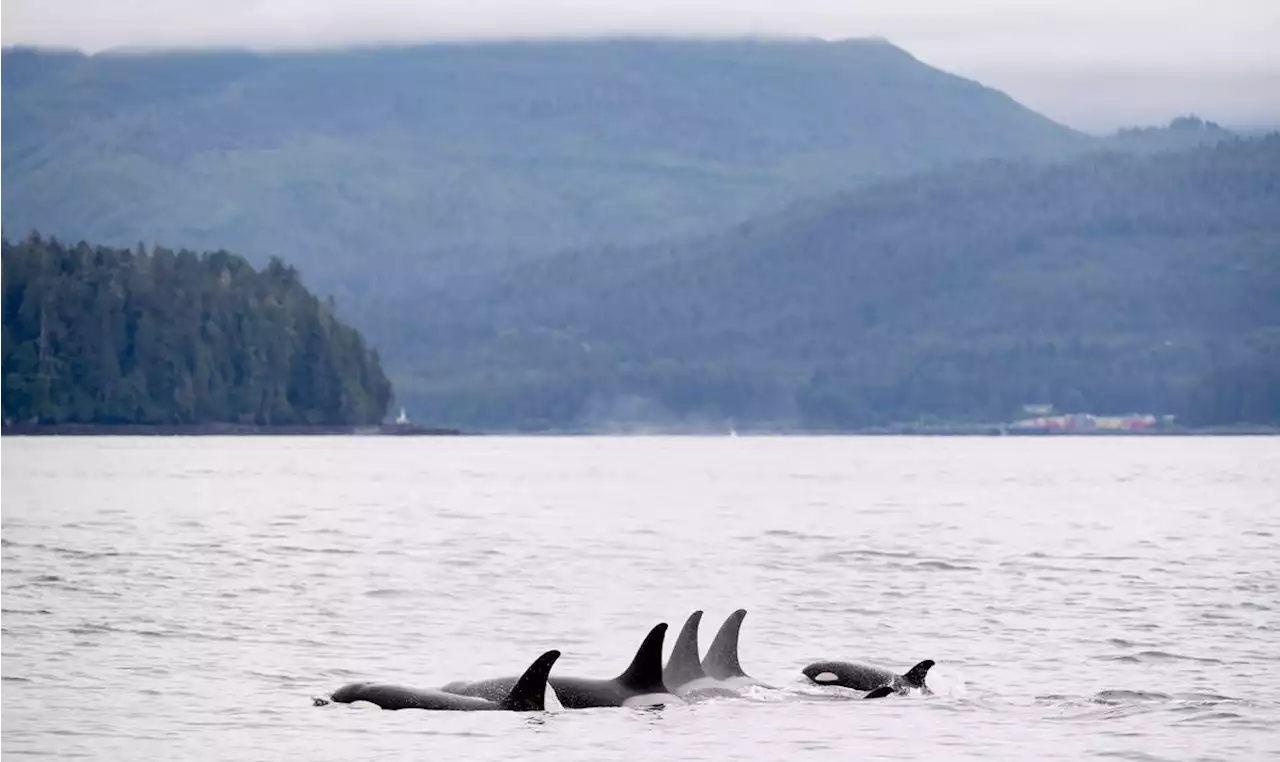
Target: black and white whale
{"x": 721, "y": 661}
{"x": 526, "y": 693}
{"x": 877, "y": 681}
{"x": 639, "y": 685}
{"x": 684, "y": 675}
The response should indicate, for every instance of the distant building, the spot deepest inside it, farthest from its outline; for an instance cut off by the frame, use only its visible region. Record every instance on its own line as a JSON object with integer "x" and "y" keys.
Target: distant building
{"x": 1037, "y": 409}
{"x": 1086, "y": 422}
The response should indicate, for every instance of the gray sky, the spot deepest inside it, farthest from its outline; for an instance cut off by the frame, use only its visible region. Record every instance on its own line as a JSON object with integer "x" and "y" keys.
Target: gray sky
{"x": 1094, "y": 64}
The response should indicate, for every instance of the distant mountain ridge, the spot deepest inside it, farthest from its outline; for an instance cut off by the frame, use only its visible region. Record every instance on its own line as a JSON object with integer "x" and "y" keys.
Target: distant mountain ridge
{"x": 428, "y": 158}
{"x": 1109, "y": 283}
{"x": 565, "y": 233}
{"x": 1183, "y": 132}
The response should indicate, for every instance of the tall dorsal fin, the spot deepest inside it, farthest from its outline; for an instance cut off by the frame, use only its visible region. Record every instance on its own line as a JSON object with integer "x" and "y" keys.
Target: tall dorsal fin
{"x": 685, "y": 666}
{"x": 529, "y": 694}
{"x": 722, "y": 658}
{"x": 645, "y": 673}
{"x": 916, "y": 675}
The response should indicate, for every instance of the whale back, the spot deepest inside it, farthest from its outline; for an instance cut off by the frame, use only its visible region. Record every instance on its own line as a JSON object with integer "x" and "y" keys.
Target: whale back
{"x": 644, "y": 675}
{"x": 530, "y": 691}
{"x": 854, "y": 675}
{"x": 685, "y": 666}
{"x": 721, "y": 661}
{"x": 878, "y": 681}
{"x": 394, "y": 697}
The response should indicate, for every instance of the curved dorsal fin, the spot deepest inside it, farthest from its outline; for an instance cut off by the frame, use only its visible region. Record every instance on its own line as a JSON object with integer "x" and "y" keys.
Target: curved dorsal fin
{"x": 645, "y": 673}
{"x": 530, "y": 691}
{"x": 722, "y": 658}
{"x": 685, "y": 666}
{"x": 915, "y": 676}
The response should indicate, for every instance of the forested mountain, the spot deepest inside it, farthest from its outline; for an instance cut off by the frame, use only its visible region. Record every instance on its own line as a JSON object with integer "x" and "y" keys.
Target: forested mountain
{"x": 1111, "y": 283}
{"x": 391, "y": 168}
{"x": 1181, "y": 133}
{"x": 573, "y": 233}
{"x": 101, "y": 335}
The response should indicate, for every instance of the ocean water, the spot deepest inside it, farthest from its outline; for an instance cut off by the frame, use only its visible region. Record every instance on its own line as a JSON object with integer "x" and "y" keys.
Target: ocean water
{"x": 185, "y": 598}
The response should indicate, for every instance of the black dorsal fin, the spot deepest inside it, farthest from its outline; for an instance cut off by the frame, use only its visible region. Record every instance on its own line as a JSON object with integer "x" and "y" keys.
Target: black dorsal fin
{"x": 530, "y": 692}
{"x": 880, "y": 692}
{"x": 722, "y": 658}
{"x": 645, "y": 673}
{"x": 916, "y": 675}
{"x": 685, "y": 665}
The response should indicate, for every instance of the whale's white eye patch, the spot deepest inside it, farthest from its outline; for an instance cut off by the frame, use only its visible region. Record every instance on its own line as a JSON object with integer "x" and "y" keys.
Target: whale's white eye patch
{"x": 826, "y": 677}
{"x": 364, "y": 705}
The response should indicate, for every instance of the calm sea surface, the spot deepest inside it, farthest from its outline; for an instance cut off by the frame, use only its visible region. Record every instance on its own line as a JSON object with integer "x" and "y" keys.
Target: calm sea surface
{"x": 184, "y": 598}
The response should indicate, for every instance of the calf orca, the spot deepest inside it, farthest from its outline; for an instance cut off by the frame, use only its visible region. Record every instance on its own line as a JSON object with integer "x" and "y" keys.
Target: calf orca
{"x": 684, "y": 675}
{"x": 526, "y": 693}
{"x": 640, "y": 685}
{"x": 721, "y": 662}
{"x": 879, "y": 682}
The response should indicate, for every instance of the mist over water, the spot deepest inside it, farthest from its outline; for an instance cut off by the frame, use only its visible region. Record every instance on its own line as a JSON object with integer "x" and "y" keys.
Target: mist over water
{"x": 184, "y": 598}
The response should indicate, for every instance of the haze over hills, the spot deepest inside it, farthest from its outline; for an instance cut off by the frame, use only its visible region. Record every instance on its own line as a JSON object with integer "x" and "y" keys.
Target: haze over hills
{"x": 1109, "y": 283}
{"x": 420, "y": 157}
{"x": 541, "y": 234}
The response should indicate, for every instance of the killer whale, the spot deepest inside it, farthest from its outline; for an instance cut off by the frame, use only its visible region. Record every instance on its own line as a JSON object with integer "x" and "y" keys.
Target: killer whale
{"x": 639, "y": 685}
{"x": 526, "y": 693}
{"x": 877, "y": 681}
{"x": 684, "y": 675}
{"x": 721, "y": 661}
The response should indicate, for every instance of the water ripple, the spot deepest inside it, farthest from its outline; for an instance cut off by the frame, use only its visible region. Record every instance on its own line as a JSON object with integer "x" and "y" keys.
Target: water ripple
{"x": 1082, "y": 599}
{"x": 1146, "y": 657}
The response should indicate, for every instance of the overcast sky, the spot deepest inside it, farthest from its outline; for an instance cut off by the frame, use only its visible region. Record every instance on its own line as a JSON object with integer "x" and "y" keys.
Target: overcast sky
{"x": 1094, "y": 64}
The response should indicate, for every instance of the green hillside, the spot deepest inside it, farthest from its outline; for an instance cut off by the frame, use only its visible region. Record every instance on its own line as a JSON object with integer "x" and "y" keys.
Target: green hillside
{"x": 436, "y": 160}
{"x": 113, "y": 336}
{"x": 570, "y": 234}
{"x": 1110, "y": 283}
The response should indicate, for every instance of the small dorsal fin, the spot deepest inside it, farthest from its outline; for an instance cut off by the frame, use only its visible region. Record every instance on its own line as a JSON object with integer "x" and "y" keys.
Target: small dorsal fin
{"x": 722, "y": 658}
{"x": 916, "y": 675}
{"x": 685, "y": 666}
{"x": 530, "y": 691}
{"x": 645, "y": 673}
{"x": 880, "y": 692}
